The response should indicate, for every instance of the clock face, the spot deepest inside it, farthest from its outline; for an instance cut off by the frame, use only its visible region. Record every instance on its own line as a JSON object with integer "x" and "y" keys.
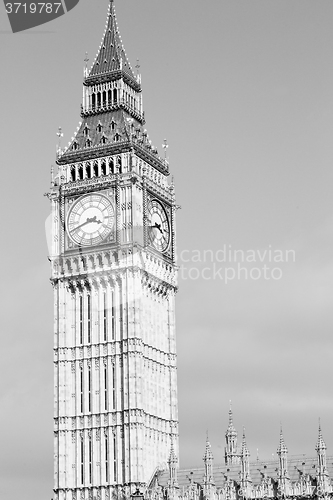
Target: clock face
{"x": 90, "y": 220}
{"x": 159, "y": 228}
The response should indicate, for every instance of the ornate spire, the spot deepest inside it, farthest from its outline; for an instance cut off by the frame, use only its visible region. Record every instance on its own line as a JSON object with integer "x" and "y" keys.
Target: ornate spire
{"x": 172, "y": 462}
{"x": 320, "y": 446}
{"x": 111, "y": 57}
{"x": 208, "y": 461}
{"x": 282, "y": 449}
{"x": 322, "y": 474}
{"x": 245, "y": 463}
{"x": 245, "y": 451}
{"x": 231, "y": 454}
{"x": 283, "y": 477}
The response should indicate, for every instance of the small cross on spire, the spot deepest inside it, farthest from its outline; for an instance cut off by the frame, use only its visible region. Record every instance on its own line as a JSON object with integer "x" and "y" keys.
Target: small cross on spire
{"x": 165, "y": 146}
{"x": 86, "y": 60}
{"x": 60, "y": 135}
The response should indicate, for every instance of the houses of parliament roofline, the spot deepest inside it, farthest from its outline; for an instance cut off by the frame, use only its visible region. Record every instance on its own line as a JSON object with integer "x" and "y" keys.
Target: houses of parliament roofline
{"x": 239, "y": 478}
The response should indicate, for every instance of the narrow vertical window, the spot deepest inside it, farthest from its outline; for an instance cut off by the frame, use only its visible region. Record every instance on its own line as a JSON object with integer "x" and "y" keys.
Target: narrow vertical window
{"x": 105, "y": 318}
{"x": 88, "y": 170}
{"x": 89, "y": 389}
{"x": 81, "y": 319}
{"x": 89, "y": 318}
{"x": 93, "y": 101}
{"x": 114, "y": 459}
{"x": 106, "y": 458}
{"x": 105, "y": 388}
{"x": 121, "y": 319}
{"x": 113, "y": 388}
{"x": 114, "y": 95}
{"x": 113, "y": 316}
{"x": 81, "y": 389}
{"x": 90, "y": 460}
{"x": 82, "y": 460}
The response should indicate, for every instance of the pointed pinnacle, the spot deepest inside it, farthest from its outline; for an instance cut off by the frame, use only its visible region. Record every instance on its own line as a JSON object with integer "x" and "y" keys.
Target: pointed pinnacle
{"x": 282, "y": 446}
{"x": 230, "y": 415}
{"x": 208, "y": 451}
{"x": 245, "y": 451}
{"x": 320, "y": 443}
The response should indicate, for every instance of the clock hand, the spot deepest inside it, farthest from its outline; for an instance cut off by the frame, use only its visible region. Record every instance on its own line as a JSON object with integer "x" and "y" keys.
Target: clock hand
{"x": 94, "y": 219}
{"x": 81, "y": 225}
{"x": 158, "y": 226}
{"x": 88, "y": 221}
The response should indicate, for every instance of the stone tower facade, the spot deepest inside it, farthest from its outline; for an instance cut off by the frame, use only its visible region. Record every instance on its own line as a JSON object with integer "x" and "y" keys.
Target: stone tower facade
{"x": 114, "y": 277}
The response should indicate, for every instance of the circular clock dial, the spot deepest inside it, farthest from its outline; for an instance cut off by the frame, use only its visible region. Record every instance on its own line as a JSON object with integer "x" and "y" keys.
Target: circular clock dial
{"x": 159, "y": 228}
{"x": 90, "y": 220}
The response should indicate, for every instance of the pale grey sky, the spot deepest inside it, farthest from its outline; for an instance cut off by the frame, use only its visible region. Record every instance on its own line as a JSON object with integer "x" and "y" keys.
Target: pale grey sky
{"x": 242, "y": 90}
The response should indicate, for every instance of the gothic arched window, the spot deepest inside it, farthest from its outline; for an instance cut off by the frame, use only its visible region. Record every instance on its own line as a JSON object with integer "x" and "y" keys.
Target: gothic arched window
{"x": 88, "y": 170}
{"x": 119, "y": 164}
{"x": 111, "y": 166}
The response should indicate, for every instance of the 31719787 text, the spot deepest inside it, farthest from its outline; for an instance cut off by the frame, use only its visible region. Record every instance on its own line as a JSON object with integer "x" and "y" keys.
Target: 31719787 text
{"x": 32, "y": 8}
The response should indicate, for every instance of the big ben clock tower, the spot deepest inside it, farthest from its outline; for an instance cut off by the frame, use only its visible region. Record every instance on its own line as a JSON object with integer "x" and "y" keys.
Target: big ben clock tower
{"x": 114, "y": 279}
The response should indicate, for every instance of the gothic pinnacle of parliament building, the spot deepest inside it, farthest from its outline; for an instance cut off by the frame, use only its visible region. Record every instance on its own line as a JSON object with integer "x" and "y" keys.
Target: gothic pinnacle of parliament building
{"x": 295, "y": 478}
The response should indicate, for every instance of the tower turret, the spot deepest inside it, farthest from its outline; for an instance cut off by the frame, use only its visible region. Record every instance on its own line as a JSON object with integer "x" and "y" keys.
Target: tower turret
{"x": 208, "y": 463}
{"x": 230, "y": 451}
{"x": 172, "y": 488}
{"x": 283, "y": 477}
{"x": 113, "y": 269}
{"x": 322, "y": 474}
{"x": 245, "y": 477}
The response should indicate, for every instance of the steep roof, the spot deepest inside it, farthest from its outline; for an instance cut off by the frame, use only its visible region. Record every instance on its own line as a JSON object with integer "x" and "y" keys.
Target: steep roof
{"x": 111, "y": 56}
{"x": 297, "y": 466}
